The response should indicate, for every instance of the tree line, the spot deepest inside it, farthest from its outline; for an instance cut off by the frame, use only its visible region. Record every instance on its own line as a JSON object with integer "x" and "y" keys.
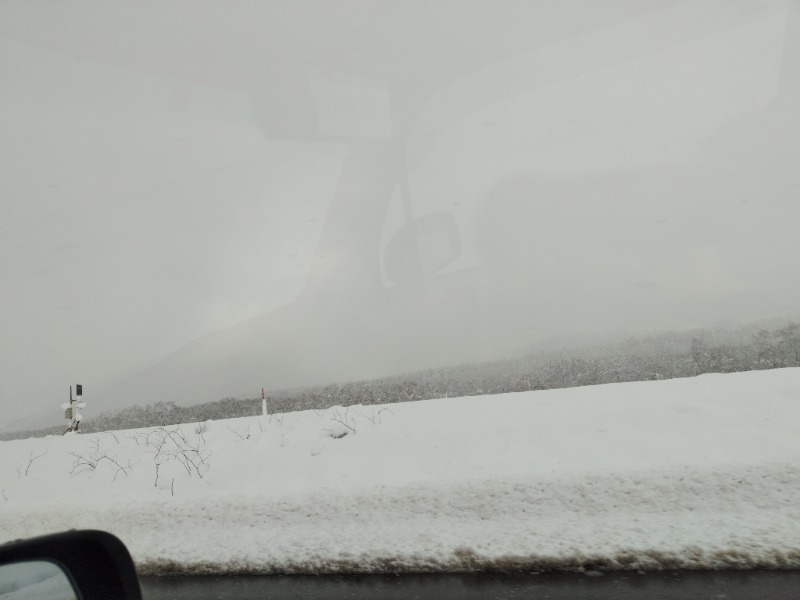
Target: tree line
{"x": 662, "y": 356}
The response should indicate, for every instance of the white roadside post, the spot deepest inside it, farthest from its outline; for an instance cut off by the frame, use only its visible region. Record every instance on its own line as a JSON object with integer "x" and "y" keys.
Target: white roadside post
{"x": 67, "y": 408}
{"x": 263, "y": 403}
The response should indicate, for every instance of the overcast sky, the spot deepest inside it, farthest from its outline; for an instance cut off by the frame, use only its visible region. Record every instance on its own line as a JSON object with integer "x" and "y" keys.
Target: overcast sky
{"x": 170, "y": 171}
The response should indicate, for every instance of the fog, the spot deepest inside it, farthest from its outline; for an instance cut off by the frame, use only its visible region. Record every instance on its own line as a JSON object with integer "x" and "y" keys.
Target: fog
{"x": 201, "y": 199}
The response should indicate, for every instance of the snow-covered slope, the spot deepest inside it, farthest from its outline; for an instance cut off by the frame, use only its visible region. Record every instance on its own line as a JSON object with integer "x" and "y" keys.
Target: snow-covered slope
{"x": 696, "y": 473}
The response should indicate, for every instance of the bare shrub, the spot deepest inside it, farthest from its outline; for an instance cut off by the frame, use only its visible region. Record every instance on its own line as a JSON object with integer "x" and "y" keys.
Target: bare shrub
{"x": 170, "y": 445}
{"x": 31, "y": 459}
{"x": 375, "y": 418}
{"x": 343, "y": 418}
{"x": 239, "y": 435}
{"x": 96, "y": 457}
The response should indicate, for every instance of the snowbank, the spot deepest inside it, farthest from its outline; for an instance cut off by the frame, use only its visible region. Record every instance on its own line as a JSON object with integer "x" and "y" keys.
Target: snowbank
{"x": 685, "y": 473}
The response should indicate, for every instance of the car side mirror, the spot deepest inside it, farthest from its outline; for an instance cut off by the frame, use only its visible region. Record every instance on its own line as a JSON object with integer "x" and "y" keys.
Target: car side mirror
{"x": 74, "y": 565}
{"x": 422, "y": 247}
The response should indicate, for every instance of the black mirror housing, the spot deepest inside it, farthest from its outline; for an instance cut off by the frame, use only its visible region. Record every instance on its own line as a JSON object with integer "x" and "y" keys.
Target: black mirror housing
{"x": 97, "y": 563}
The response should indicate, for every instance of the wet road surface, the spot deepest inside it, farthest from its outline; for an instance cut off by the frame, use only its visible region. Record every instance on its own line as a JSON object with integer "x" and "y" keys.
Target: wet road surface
{"x": 685, "y": 585}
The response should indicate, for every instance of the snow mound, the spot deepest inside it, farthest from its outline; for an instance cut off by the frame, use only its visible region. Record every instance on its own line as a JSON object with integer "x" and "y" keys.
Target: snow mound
{"x": 690, "y": 473}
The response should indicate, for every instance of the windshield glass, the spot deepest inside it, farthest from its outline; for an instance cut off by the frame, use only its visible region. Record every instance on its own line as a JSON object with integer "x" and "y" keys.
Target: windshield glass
{"x": 354, "y": 203}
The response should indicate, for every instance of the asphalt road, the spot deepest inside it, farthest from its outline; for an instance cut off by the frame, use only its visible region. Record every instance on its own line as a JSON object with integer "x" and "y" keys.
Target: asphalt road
{"x": 685, "y": 585}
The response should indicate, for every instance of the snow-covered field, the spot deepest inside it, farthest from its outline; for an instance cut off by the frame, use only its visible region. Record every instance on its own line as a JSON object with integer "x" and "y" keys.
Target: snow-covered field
{"x": 693, "y": 473}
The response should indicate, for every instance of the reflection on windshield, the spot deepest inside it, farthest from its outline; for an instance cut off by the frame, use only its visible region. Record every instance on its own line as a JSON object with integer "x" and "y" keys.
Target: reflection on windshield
{"x": 608, "y": 168}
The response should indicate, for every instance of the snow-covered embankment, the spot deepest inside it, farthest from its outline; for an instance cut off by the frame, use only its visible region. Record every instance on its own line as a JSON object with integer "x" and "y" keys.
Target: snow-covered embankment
{"x": 692, "y": 473}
